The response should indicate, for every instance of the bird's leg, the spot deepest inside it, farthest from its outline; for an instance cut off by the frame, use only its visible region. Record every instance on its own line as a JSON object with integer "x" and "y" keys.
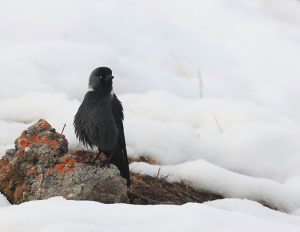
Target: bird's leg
{"x": 97, "y": 156}
{"x": 107, "y": 162}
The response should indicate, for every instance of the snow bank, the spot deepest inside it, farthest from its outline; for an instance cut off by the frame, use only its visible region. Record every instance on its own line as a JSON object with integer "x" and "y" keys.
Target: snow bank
{"x": 59, "y": 215}
{"x": 238, "y": 135}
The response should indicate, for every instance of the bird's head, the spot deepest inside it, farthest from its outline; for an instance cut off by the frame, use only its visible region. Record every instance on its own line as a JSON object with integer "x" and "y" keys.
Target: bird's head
{"x": 101, "y": 79}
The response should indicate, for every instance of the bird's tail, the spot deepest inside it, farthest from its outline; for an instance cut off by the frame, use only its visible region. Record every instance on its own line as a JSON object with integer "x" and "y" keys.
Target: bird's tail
{"x": 120, "y": 159}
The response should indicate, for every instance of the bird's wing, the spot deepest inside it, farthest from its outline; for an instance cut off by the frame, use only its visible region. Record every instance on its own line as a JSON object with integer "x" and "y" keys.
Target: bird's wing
{"x": 80, "y": 123}
{"x": 117, "y": 110}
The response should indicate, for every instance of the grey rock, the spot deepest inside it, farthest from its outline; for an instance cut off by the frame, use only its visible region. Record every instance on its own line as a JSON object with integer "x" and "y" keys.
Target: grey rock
{"x": 85, "y": 183}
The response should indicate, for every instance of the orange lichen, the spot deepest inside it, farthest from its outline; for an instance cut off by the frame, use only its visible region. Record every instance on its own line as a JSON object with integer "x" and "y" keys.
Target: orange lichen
{"x": 71, "y": 169}
{"x": 35, "y": 139}
{"x": 53, "y": 143}
{"x": 59, "y": 167}
{"x": 50, "y": 171}
{"x": 69, "y": 162}
{"x": 44, "y": 140}
{"x": 24, "y": 143}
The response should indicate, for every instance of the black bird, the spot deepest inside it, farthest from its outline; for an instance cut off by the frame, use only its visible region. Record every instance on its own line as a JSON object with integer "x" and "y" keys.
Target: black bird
{"x": 99, "y": 121}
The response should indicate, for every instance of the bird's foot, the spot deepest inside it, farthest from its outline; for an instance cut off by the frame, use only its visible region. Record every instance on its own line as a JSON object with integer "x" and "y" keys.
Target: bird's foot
{"x": 90, "y": 163}
{"x": 97, "y": 156}
{"x": 94, "y": 161}
{"x": 105, "y": 163}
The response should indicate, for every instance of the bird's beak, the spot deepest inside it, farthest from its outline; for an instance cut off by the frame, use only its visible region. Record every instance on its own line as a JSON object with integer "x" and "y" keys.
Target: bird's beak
{"x": 108, "y": 78}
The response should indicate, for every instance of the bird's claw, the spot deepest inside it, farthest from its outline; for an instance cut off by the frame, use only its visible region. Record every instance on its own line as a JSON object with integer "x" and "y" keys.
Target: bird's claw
{"x": 106, "y": 163}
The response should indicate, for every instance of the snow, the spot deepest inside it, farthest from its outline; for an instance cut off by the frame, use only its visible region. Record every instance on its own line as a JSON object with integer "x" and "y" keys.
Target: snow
{"x": 209, "y": 90}
{"x": 230, "y": 133}
{"x": 254, "y": 209}
{"x": 3, "y": 201}
{"x": 59, "y": 215}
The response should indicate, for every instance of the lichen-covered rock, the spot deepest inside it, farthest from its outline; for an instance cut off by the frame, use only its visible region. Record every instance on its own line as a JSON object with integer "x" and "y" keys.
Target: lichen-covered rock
{"x": 40, "y": 167}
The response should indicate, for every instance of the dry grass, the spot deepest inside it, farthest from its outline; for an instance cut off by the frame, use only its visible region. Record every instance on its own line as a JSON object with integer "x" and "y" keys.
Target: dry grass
{"x": 147, "y": 190}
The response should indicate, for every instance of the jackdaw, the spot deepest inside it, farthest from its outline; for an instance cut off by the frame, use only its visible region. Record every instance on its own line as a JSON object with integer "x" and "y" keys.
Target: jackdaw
{"x": 99, "y": 121}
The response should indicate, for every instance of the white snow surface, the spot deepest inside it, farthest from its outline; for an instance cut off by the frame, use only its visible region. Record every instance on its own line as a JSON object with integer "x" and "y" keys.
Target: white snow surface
{"x": 209, "y": 88}
{"x": 3, "y": 201}
{"x": 59, "y": 215}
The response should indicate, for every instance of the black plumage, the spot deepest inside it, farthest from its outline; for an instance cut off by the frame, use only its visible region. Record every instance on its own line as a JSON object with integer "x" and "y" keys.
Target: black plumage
{"x": 99, "y": 121}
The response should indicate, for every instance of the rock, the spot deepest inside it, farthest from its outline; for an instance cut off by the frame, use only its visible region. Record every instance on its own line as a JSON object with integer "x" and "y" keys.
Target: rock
{"x": 40, "y": 167}
{"x": 86, "y": 183}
